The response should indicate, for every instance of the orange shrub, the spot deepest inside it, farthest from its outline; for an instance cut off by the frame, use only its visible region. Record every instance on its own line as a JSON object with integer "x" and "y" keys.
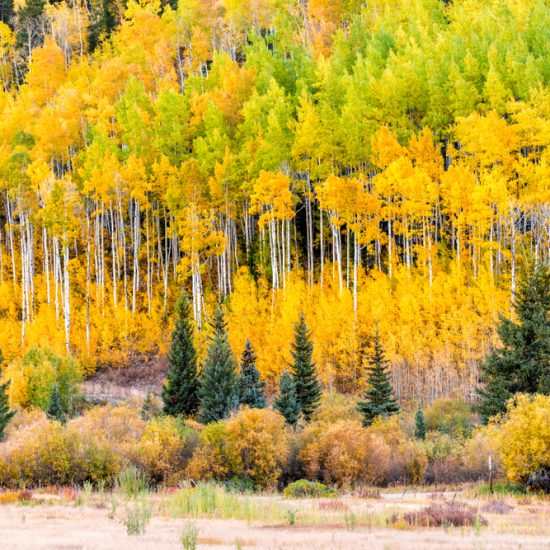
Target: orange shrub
{"x": 165, "y": 448}
{"x": 407, "y": 461}
{"x": 338, "y": 453}
{"x": 257, "y": 445}
{"x": 252, "y": 444}
{"x": 210, "y": 458}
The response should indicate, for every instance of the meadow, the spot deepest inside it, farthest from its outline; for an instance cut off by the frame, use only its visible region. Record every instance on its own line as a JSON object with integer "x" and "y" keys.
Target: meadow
{"x": 210, "y": 516}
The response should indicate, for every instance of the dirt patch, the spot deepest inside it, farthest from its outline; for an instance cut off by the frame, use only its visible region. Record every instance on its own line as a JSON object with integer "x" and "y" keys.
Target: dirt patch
{"x": 140, "y": 376}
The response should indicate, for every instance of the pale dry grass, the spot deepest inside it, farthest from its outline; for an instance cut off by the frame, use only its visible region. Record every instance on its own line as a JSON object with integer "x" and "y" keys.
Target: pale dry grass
{"x": 68, "y": 526}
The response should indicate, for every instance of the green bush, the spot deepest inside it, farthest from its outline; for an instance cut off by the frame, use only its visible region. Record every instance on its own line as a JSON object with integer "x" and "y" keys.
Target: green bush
{"x": 449, "y": 416}
{"x": 305, "y": 488}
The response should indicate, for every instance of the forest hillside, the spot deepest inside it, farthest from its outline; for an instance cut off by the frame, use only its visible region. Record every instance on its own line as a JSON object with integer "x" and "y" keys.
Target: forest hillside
{"x": 380, "y": 167}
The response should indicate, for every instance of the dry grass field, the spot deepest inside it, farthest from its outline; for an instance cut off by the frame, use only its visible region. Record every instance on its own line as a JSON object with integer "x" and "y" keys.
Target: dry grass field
{"x": 65, "y": 519}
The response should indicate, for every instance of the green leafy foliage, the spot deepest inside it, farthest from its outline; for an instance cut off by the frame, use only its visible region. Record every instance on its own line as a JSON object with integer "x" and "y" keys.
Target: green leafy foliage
{"x": 309, "y": 489}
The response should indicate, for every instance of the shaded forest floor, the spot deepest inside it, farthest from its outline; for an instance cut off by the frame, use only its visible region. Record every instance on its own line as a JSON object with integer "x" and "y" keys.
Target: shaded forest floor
{"x": 57, "y": 522}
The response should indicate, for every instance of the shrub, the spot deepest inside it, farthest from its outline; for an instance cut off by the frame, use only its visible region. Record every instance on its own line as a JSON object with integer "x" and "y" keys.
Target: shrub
{"x": 449, "y": 416}
{"x": 165, "y": 449}
{"x": 305, "y": 488}
{"x": 189, "y": 536}
{"x": 407, "y": 460}
{"x": 257, "y": 445}
{"x": 107, "y": 441}
{"x": 523, "y": 436}
{"x": 9, "y": 497}
{"x": 39, "y": 453}
{"x": 448, "y": 514}
{"x": 138, "y": 516}
{"x": 475, "y": 456}
{"x": 210, "y": 458}
{"x": 251, "y": 444}
{"x": 339, "y": 453}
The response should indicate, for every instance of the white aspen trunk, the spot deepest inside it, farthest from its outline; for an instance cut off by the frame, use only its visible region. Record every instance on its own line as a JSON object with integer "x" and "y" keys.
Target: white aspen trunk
{"x": 390, "y": 248}
{"x": 347, "y": 258}
{"x": 114, "y": 256}
{"x": 46, "y": 263}
{"x": 88, "y": 283}
{"x": 1, "y": 259}
{"x": 322, "y": 245}
{"x": 10, "y": 239}
{"x": 122, "y": 245}
{"x": 356, "y": 252}
{"x": 309, "y": 233}
{"x": 149, "y": 267}
{"x": 273, "y": 251}
{"x": 337, "y": 247}
{"x": 513, "y": 250}
{"x": 136, "y": 239}
{"x": 66, "y": 296}
{"x": 56, "y": 273}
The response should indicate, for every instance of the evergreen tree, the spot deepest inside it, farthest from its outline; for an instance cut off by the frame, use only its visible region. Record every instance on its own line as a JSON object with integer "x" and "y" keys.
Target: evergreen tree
{"x": 218, "y": 392}
{"x": 7, "y": 12}
{"x": 148, "y": 409}
{"x": 522, "y": 364}
{"x": 180, "y": 394}
{"x": 420, "y": 423}
{"x": 287, "y": 402}
{"x": 251, "y": 388}
{"x": 378, "y": 399}
{"x": 56, "y": 410}
{"x": 5, "y": 413}
{"x": 304, "y": 372}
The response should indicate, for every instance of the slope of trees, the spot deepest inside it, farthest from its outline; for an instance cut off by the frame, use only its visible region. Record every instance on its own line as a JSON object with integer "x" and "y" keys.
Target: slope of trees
{"x": 381, "y": 163}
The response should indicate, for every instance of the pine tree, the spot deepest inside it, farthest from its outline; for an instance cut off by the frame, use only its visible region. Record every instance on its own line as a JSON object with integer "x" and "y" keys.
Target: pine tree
{"x": 522, "y": 364}
{"x": 56, "y": 410}
{"x": 5, "y": 413}
{"x": 287, "y": 402}
{"x": 148, "y": 409}
{"x": 378, "y": 399}
{"x": 420, "y": 423}
{"x": 251, "y": 388}
{"x": 304, "y": 372}
{"x": 218, "y": 389}
{"x": 180, "y": 394}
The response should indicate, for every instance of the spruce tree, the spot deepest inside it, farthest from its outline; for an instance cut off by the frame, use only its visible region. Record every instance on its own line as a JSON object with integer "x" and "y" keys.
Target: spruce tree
{"x": 419, "y": 423}
{"x": 304, "y": 372}
{"x": 218, "y": 391}
{"x": 148, "y": 408}
{"x": 180, "y": 394}
{"x": 56, "y": 410}
{"x": 251, "y": 388}
{"x": 522, "y": 364}
{"x": 378, "y": 399}
{"x": 6, "y": 414}
{"x": 287, "y": 402}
